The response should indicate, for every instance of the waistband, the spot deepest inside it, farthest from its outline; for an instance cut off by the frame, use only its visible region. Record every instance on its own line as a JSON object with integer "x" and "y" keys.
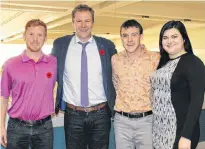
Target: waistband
{"x": 32, "y": 122}
{"x": 87, "y": 109}
{"x": 135, "y": 115}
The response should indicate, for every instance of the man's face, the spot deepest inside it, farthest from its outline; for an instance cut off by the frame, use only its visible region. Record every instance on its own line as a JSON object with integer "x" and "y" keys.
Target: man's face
{"x": 131, "y": 38}
{"x": 35, "y": 36}
{"x": 83, "y": 24}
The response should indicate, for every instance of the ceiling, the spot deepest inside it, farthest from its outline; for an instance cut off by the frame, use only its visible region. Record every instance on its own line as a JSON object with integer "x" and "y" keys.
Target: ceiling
{"x": 109, "y": 15}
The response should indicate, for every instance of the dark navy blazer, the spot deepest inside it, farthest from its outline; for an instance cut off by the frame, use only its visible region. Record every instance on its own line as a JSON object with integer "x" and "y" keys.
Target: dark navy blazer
{"x": 60, "y": 48}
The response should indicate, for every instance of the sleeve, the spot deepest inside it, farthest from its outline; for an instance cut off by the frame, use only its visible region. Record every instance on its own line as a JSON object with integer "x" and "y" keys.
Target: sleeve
{"x": 114, "y": 75}
{"x": 6, "y": 82}
{"x": 54, "y": 52}
{"x": 195, "y": 73}
{"x": 155, "y": 62}
{"x": 112, "y": 48}
{"x": 155, "y": 59}
{"x": 54, "y": 49}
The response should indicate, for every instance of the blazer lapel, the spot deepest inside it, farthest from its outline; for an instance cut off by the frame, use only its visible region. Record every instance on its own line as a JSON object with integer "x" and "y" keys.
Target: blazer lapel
{"x": 63, "y": 55}
{"x": 103, "y": 58}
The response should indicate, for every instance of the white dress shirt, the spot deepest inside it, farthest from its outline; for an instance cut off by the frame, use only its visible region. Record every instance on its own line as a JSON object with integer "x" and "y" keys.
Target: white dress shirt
{"x": 72, "y": 72}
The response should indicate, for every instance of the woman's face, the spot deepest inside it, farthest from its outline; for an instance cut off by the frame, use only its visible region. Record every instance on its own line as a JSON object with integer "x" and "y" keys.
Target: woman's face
{"x": 173, "y": 43}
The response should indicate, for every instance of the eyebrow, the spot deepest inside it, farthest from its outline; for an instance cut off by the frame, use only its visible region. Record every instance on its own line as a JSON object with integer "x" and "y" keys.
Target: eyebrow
{"x": 171, "y": 35}
{"x": 131, "y": 33}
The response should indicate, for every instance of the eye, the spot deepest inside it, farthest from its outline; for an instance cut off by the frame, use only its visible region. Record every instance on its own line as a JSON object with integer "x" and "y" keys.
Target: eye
{"x": 175, "y": 36}
{"x": 31, "y": 34}
{"x": 40, "y": 35}
{"x": 135, "y": 34}
{"x": 164, "y": 38}
{"x": 124, "y": 35}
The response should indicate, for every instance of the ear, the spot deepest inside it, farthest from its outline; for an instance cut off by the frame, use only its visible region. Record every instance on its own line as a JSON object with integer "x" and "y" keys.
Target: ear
{"x": 72, "y": 24}
{"x": 141, "y": 37}
{"x": 45, "y": 39}
{"x": 24, "y": 36}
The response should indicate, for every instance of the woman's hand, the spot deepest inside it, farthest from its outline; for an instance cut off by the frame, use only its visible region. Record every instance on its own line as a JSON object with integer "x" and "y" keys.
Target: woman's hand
{"x": 184, "y": 143}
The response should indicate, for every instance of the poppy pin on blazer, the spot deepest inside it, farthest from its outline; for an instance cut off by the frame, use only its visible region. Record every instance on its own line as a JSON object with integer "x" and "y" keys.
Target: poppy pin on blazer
{"x": 49, "y": 74}
{"x": 102, "y": 52}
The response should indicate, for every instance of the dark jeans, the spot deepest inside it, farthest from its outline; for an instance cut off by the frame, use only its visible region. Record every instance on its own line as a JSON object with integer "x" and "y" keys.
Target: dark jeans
{"x": 87, "y": 129}
{"x": 21, "y": 136}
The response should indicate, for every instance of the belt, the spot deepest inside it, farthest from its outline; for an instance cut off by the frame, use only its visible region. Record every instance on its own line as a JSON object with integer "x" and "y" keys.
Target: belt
{"x": 136, "y": 115}
{"x": 32, "y": 122}
{"x": 87, "y": 109}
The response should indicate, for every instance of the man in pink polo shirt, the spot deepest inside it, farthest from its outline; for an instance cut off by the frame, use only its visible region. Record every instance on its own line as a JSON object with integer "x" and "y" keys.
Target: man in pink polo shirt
{"x": 29, "y": 78}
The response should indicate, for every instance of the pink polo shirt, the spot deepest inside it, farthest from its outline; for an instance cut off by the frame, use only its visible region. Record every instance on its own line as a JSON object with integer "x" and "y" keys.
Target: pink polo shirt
{"x": 30, "y": 85}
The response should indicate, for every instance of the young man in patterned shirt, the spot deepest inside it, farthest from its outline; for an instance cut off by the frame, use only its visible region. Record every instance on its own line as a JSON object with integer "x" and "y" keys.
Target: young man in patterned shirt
{"x": 131, "y": 70}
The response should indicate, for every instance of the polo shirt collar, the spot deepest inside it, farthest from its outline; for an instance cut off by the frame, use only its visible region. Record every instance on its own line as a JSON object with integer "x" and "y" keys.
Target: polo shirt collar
{"x": 25, "y": 58}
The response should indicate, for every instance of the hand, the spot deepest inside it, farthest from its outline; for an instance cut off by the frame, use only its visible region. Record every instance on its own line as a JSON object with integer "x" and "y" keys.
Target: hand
{"x": 3, "y": 137}
{"x": 184, "y": 143}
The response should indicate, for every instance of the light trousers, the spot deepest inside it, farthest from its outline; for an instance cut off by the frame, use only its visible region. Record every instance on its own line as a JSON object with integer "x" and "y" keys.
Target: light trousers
{"x": 133, "y": 133}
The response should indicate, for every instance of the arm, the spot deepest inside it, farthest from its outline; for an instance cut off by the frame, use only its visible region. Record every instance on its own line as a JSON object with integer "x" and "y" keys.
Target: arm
{"x": 4, "y": 106}
{"x": 114, "y": 80}
{"x": 114, "y": 75}
{"x": 112, "y": 51}
{"x": 155, "y": 62}
{"x": 195, "y": 74}
{"x": 5, "y": 92}
{"x": 54, "y": 53}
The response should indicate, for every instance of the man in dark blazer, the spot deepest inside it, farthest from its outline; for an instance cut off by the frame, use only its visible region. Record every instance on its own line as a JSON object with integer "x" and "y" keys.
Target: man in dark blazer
{"x": 85, "y": 89}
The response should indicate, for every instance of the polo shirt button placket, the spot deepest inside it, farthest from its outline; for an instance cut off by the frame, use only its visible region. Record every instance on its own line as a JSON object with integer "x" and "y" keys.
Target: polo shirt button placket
{"x": 35, "y": 69}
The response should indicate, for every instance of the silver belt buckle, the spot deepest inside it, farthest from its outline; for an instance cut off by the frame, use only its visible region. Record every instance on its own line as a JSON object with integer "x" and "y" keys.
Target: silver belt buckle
{"x": 128, "y": 115}
{"x": 86, "y": 109}
{"x": 30, "y": 123}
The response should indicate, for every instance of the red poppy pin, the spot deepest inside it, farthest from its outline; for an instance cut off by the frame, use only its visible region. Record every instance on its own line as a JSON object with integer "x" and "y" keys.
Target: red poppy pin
{"x": 49, "y": 75}
{"x": 102, "y": 52}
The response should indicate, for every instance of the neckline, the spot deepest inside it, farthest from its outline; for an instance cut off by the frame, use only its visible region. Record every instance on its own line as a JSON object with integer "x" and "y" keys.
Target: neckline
{"x": 178, "y": 56}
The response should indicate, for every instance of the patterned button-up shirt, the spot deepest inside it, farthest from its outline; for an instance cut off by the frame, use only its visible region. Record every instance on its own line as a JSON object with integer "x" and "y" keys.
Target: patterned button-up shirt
{"x": 131, "y": 79}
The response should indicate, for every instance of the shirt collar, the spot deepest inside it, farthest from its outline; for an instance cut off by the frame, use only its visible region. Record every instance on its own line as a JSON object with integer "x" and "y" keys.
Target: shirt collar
{"x": 25, "y": 58}
{"x": 78, "y": 40}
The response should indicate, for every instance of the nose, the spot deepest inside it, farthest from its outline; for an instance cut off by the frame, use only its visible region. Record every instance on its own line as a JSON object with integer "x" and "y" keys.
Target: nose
{"x": 170, "y": 40}
{"x": 83, "y": 24}
{"x": 129, "y": 38}
{"x": 35, "y": 38}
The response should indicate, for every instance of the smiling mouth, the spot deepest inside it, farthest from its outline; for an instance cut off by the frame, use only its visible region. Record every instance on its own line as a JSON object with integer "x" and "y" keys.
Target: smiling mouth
{"x": 170, "y": 45}
{"x": 35, "y": 45}
{"x": 83, "y": 30}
